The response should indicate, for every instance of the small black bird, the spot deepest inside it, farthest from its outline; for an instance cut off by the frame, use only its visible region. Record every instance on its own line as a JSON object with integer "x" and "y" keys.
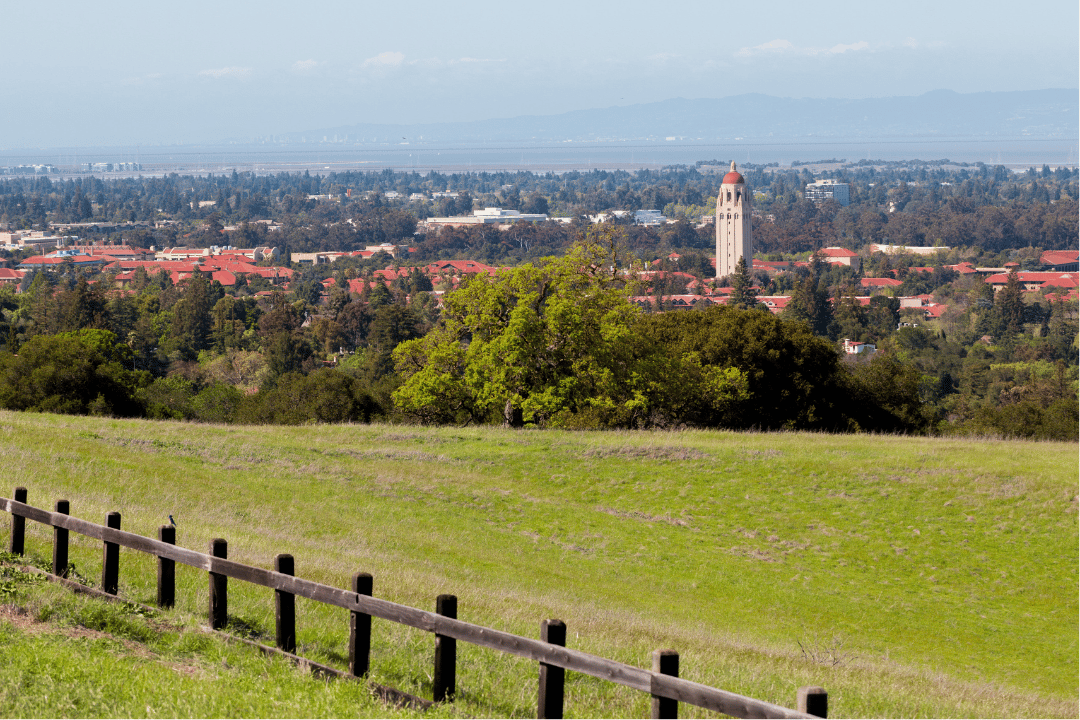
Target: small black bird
{"x": 172, "y": 521}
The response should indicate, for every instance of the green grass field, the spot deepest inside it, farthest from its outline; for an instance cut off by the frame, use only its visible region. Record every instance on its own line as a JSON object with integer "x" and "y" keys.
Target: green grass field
{"x": 908, "y": 576}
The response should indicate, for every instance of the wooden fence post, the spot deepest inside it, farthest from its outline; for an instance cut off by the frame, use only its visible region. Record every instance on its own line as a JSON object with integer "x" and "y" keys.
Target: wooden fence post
{"x": 285, "y": 607}
{"x": 812, "y": 700}
{"x": 166, "y": 570}
{"x": 549, "y": 702}
{"x": 110, "y": 558}
{"x": 360, "y": 628}
{"x": 60, "y": 541}
{"x": 445, "y": 679}
{"x": 18, "y": 526}
{"x": 219, "y": 588}
{"x": 665, "y": 662}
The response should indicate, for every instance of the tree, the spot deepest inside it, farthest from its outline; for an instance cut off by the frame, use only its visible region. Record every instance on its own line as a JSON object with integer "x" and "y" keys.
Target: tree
{"x": 850, "y": 316}
{"x": 742, "y": 295}
{"x": 77, "y": 373}
{"x": 791, "y": 376}
{"x": 810, "y": 304}
{"x": 191, "y": 314}
{"x": 324, "y": 396}
{"x": 355, "y": 319}
{"x": 285, "y": 353}
{"x": 1008, "y": 313}
{"x": 391, "y": 326}
{"x": 539, "y": 344}
{"x": 885, "y": 397}
{"x": 882, "y": 316}
{"x": 81, "y": 307}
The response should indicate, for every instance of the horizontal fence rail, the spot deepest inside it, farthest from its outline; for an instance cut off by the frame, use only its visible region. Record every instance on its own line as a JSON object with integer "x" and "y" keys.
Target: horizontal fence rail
{"x": 656, "y": 683}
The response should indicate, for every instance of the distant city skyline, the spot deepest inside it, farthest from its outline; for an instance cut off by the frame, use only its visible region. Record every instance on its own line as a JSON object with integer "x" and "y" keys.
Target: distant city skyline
{"x": 126, "y": 73}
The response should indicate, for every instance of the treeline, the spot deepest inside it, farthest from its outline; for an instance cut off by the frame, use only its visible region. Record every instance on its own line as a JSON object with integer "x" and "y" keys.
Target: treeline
{"x": 1000, "y": 363}
{"x": 555, "y": 344}
{"x": 88, "y": 373}
{"x": 198, "y": 351}
{"x": 550, "y": 343}
{"x": 914, "y": 203}
{"x": 1005, "y": 362}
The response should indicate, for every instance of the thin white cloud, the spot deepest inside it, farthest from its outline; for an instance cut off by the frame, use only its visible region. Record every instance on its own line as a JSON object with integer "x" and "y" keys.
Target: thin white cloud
{"x": 227, "y": 72}
{"x": 305, "y": 65}
{"x": 771, "y": 46}
{"x": 786, "y": 47}
{"x": 838, "y": 49}
{"x": 479, "y": 60}
{"x": 384, "y": 60}
{"x": 662, "y": 57}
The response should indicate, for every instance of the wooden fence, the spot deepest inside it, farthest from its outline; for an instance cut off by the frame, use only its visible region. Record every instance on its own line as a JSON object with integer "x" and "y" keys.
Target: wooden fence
{"x": 661, "y": 682}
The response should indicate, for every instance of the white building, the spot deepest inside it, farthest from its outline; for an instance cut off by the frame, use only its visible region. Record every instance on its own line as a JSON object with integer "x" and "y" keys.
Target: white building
{"x": 733, "y": 238}
{"x": 489, "y": 216}
{"x": 828, "y": 190}
{"x": 649, "y": 217}
{"x": 35, "y": 239}
{"x": 852, "y": 347}
{"x": 914, "y": 250}
{"x": 111, "y": 167}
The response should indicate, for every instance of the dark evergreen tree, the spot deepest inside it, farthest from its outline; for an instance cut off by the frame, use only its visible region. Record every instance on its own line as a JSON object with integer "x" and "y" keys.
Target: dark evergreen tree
{"x": 742, "y": 295}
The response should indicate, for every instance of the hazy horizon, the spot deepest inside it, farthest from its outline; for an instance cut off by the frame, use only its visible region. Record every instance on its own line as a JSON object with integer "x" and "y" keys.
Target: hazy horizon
{"x": 135, "y": 73}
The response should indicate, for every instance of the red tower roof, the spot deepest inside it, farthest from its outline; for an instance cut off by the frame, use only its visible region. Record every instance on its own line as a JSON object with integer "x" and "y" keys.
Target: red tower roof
{"x": 733, "y": 177}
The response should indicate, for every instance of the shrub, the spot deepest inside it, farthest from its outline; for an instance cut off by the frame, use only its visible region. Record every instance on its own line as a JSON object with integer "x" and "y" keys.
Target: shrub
{"x": 78, "y": 373}
{"x": 324, "y": 396}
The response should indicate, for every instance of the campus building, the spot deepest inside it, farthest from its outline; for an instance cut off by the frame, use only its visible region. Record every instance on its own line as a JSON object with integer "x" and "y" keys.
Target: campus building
{"x": 488, "y": 216}
{"x": 828, "y": 190}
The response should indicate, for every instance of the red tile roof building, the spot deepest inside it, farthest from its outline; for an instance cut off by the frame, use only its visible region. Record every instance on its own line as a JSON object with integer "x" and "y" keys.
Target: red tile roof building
{"x": 879, "y": 282}
{"x": 1031, "y": 281}
{"x": 840, "y": 256}
{"x": 1061, "y": 260}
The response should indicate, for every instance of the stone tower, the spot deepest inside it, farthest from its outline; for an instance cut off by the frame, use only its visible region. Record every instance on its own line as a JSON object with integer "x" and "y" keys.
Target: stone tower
{"x": 733, "y": 239}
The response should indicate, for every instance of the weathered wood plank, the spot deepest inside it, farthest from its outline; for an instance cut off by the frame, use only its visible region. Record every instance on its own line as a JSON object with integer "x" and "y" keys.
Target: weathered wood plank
{"x": 722, "y": 701}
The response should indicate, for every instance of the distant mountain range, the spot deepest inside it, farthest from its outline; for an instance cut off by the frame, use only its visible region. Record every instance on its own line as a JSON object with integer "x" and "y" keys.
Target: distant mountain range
{"x": 939, "y": 114}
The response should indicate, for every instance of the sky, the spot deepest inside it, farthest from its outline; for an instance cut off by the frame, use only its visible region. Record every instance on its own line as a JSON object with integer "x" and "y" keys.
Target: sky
{"x": 124, "y": 73}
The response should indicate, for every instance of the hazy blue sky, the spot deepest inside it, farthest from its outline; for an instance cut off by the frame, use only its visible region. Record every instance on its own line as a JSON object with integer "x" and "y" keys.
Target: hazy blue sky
{"x": 79, "y": 73}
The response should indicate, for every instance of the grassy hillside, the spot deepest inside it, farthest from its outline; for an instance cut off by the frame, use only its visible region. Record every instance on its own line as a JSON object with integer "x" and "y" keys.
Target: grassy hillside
{"x": 908, "y": 576}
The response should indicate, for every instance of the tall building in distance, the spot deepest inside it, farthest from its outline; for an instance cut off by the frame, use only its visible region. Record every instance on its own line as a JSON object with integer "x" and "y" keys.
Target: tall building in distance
{"x": 733, "y": 239}
{"x": 826, "y": 190}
